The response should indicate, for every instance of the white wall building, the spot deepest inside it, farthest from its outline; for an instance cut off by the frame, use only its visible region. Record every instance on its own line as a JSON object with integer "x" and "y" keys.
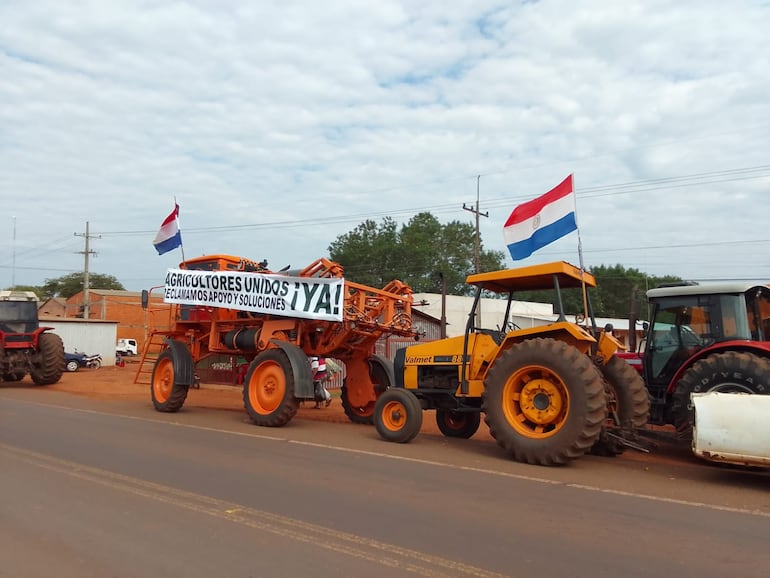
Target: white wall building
{"x": 90, "y": 336}
{"x": 523, "y": 313}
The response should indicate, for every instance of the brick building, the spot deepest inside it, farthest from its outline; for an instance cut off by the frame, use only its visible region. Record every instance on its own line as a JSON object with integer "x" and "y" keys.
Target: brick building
{"x": 125, "y": 307}
{"x": 53, "y": 307}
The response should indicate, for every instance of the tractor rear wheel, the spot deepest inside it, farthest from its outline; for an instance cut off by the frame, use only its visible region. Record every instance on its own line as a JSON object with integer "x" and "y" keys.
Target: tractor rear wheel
{"x": 544, "y": 402}
{"x": 167, "y": 395}
{"x": 51, "y": 366}
{"x": 15, "y": 376}
{"x": 268, "y": 389}
{"x": 458, "y": 424}
{"x": 365, "y": 414}
{"x": 628, "y": 406}
{"x": 727, "y": 372}
{"x": 398, "y": 415}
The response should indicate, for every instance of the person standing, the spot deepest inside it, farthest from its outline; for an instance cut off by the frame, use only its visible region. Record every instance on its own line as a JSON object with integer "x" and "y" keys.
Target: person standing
{"x": 320, "y": 375}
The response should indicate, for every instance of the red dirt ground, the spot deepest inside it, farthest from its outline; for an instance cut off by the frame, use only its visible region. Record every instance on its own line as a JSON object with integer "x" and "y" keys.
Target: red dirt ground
{"x": 118, "y": 383}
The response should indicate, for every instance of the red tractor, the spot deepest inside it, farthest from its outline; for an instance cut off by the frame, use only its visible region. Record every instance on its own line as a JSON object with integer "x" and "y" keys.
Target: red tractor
{"x": 25, "y": 347}
{"x": 703, "y": 337}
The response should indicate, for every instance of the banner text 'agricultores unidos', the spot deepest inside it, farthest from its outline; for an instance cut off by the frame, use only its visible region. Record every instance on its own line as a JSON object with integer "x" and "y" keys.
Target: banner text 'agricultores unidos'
{"x": 305, "y": 297}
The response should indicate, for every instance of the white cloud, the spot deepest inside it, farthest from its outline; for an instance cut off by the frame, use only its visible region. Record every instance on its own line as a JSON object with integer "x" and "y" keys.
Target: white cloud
{"x": 272, "y": 115}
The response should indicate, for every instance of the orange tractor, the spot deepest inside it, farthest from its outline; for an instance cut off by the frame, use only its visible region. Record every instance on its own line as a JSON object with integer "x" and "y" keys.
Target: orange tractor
{"x": 219, "y": 305}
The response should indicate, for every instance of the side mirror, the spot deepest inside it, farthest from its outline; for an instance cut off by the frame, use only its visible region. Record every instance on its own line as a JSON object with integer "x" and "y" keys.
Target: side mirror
{"x": 145, "y": 298}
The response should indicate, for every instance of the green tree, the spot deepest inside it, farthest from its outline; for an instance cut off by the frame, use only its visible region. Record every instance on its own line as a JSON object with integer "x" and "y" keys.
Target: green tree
{"x": 369, "y": 253}
{"x": 68, "y": 285}
{"x": 618, "y": 286}
{"x": 418, "y": 253}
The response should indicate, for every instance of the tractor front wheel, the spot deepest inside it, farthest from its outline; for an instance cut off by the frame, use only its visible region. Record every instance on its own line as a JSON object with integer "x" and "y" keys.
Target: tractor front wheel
{"x": 544, "y": 402}
{"x": 398, "y": 415}
{"x": 167, "y": 395}
{"x": 268, "y": 389}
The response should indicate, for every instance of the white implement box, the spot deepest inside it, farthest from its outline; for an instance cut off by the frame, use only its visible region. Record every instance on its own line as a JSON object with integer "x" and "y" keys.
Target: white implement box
{"x": 732, "y": 428}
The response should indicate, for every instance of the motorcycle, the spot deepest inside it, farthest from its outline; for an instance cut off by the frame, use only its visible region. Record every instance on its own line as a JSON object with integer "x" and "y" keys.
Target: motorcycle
{"x": 76, "y": 360}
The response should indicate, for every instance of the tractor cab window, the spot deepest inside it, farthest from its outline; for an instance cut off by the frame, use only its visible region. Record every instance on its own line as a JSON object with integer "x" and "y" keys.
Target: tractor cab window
{"x": 677, "y": 332}
{"x": 734, "y": 318}
{"x": 18, "y": 316}
{"x": 758, "y": 305}
{"x": 685, "y": 324}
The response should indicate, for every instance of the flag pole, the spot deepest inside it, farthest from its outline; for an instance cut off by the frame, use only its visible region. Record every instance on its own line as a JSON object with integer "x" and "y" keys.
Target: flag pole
{"x": 580, "y": 253}
{"x": 178, "y": 224}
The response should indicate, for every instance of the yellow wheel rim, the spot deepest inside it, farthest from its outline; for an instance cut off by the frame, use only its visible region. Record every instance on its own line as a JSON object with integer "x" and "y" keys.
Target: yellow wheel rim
{"x": 163, "y": 380}
{"x": 394, "y": 416}
{"x": 535, "y": 402}
{"x": 267, "y": 387}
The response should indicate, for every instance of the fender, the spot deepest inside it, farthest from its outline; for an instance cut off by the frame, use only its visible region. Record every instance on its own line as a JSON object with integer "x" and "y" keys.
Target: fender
{"x": 303, "y": 376}
{"x": 398, "y": 367}
{"x": 386, "y": 364}
{"x": 759, "y": 348}
{"x": 184, "y": 368}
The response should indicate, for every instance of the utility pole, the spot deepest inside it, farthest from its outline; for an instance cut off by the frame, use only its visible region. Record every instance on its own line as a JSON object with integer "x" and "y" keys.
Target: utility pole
{"x": 13, "y": 266}
{"x": 88, "y": 251}
{"x": 477, "y": 248}
{"x": 475, "y": 211}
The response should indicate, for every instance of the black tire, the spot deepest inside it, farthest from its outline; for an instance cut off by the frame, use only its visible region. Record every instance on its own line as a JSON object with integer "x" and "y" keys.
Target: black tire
{"x": 167, "y": 395}
{"x": 97, "y": 364}
{"x": 72, "y": 365}
{"x": 397, "y": 415}
{"x": 51, "y": 355}
{"x": 14, "y": 376}
{"x": 727, "y": 372}
{"x": 365, "y": 415}
{"x": 268, "y": 389}
{"x": 544, "y": 402}
{"x": 458, "y": 424}
{"x": 628, "y": 406}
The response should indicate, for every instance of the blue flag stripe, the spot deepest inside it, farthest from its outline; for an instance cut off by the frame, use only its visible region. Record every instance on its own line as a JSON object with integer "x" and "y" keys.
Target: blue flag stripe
{"x": 542, "y": 237}
{"x": 169, "y": 244}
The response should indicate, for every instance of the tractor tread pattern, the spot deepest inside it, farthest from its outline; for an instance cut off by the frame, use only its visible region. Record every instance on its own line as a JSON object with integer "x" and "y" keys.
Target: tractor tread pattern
{"x": 51, "y": 366}
{"x": 588, "y": 405}
{"x": 751, "y": 371}
{"x": 633, "y": 405}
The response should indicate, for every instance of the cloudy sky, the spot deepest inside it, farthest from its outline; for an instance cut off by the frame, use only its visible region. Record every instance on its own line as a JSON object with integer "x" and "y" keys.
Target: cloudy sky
{"x": 280, "y": 125}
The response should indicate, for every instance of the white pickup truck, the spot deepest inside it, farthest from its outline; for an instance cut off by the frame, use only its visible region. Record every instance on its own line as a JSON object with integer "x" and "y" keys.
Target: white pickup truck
{"x": 126, "y": 347}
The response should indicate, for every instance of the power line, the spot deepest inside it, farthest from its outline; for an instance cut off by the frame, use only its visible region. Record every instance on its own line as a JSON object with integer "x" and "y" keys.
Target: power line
{"x": 646, "y": 185}
{"x": 632, "y": 187}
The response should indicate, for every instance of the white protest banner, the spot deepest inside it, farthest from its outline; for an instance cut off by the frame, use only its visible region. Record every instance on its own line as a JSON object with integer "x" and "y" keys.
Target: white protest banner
{"x": 305, "y": 297}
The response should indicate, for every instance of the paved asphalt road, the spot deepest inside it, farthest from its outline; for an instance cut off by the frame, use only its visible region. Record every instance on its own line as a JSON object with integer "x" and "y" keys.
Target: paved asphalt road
{"x": 94, "y": 488}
